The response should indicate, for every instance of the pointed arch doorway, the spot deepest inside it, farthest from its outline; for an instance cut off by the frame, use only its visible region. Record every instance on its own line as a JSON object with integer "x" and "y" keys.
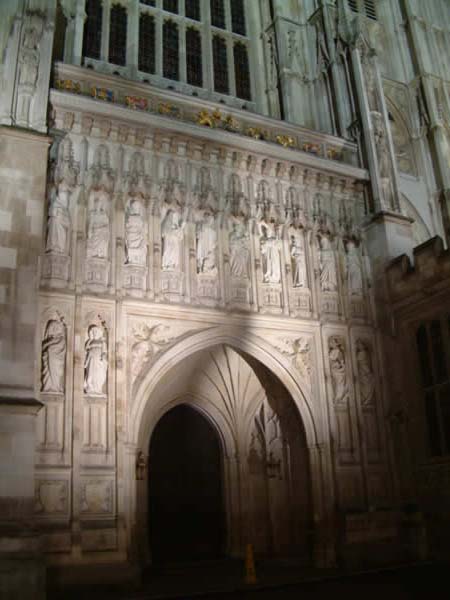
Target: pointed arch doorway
{"x": 187, "y": 517}
{"x": 261, "y": 456}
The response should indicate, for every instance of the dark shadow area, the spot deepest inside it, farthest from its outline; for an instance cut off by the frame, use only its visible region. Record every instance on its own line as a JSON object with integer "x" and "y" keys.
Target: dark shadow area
{"x": 186, "y": 514}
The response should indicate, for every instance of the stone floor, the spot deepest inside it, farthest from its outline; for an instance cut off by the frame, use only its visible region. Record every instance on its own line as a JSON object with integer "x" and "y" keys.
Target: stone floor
{"x": 224, "y": 581}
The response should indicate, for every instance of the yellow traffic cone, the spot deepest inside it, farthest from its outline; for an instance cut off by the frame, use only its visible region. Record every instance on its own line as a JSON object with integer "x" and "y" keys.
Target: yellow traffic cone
{"x": 250, "y": 573}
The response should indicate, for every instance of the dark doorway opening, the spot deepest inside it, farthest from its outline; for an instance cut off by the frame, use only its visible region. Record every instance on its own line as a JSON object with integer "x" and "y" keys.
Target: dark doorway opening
{"x": 185, "y": 489}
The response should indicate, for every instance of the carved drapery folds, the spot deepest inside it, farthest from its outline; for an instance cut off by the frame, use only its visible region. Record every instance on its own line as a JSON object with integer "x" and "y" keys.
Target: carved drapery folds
{"x": 366, "y": 375}
{"x": 56, "y": 263}
{"x": 338, "y": 369}
{"x": 54, "y": 349}
{"x": 230, "y": 230}
{"x": 96, "y": 360}
{"x": 29, "y": 59}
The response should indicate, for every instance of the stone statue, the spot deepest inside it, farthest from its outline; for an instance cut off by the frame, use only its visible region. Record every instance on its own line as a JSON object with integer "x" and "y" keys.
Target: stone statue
{"x": 135, "y": 245}
{"x": 29, "y": 54}
{"x": 58, "y": 225}
{"x": 54, "y": 347}
{"x": 365, "y": 373}
{"x": 172, "y": 239}
{"x": 327, "y": 262}
{"x": 96, "y": 361}
{"x": 379, "y": 133}
{"x": 239, "y": 251}
{"x": 353, "y": 270}
{"x": 298, "y": 261}
{"x": 338, "y": 371}
{"x": 206, "y": 244}
{"x": 141, "y": 466}
{"x": 98, "y": 230}
{"x": 270, "y": 251}
{"x": 29, "y": 57}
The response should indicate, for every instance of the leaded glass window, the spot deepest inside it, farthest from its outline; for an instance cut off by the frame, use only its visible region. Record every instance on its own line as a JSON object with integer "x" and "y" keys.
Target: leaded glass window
{"x": 242, "y": 71}
{"x": 192, "y": 9}
{"x": 237, "y": 16}
{"x": 220, "y": 65}
{"x": 170, "y": 50}
{"x": 433, "y": 348}
{"x": 146, "y": 43}
{"x": 118, "y": 35}
{"x": 364, "y": 7}
{"x": 93, "y": 29}
{"x": 194, "y": 57}
{"x": 218, "y": 13}
{"x": 171, "y": 6}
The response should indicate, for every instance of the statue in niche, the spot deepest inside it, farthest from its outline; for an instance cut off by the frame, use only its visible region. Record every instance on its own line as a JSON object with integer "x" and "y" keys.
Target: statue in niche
{"x": 58, "y": 225}
{"x": 206, "y": 243}
{"x": 365, "y": 373}
{"x": 54, "y": 348}
{"x": 274, "y": 444}
{"x": 353, "y": 270}
{"x": 29, "y": 55}
{"x": 141, "y": 466}
{"x": 338, "y": 371}
{"x": 135, "y": 246}
{"x": 239, "y": 250}
{"x": 298, "y": 260}
{"x": 379, "y": 134}
{"x": 327, "y": 263}
{"x": 98, "y": 229}
{"x": 172, "y": 227}
{"x": 96, "y": 361}
{"x": 270, "y": 251}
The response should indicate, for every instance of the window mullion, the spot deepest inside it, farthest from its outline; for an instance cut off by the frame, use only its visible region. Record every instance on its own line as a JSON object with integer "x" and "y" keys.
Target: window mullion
{"x": 133, "y": 38}
{"x": 159, "y": 44}
{"x": 182, "y": 54}
{"x": 208, "y": 74}
{"x": 231, "y": 70}
{"x": 104, "y": 51}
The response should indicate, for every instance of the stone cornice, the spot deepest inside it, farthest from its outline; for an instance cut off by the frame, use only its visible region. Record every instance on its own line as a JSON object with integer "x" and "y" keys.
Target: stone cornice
{"x": 26, "y": 135}
{"x": 181, "y": 129}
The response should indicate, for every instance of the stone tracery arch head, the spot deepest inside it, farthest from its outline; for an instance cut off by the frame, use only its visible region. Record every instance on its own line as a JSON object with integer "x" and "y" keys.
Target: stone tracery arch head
{"x": 148, "y": 402}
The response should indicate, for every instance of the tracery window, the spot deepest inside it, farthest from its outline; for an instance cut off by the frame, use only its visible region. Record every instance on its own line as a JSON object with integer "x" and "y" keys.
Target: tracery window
{"x": 218, "y": 13}
{"x": 146, "y": 43}
{"x": 194, "y": 57}
{"x": 363, "y": 7}
{"x": 238, "y": 17}
{"x": 433, "y": 346}
{"x": 170, "y": 50}
{"x": 171, "y": 6}
{"x": 192, "y": 9}
{"x": 93, "y": 29}
{"x": 220, "y": 65}
{"x": 242, "y": 71}
{"x": 174, "y": 44}
{"x": 118, "y": 35}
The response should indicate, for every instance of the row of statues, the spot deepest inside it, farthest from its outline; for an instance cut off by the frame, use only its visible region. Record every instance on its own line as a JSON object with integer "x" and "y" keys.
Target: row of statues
{"x": 53, "y": 361}
{"x": 339, "y": 371}
{"x": 173, "y": 222}
{"x": 54, "y": 351}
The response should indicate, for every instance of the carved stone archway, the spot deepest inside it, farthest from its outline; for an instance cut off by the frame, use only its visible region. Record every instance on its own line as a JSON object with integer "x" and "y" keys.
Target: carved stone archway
{"x": 153, "y": 398}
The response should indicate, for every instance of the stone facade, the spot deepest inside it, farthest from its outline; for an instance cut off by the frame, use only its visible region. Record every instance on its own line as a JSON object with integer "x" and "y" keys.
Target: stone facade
{"x": 174, "y": 250}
